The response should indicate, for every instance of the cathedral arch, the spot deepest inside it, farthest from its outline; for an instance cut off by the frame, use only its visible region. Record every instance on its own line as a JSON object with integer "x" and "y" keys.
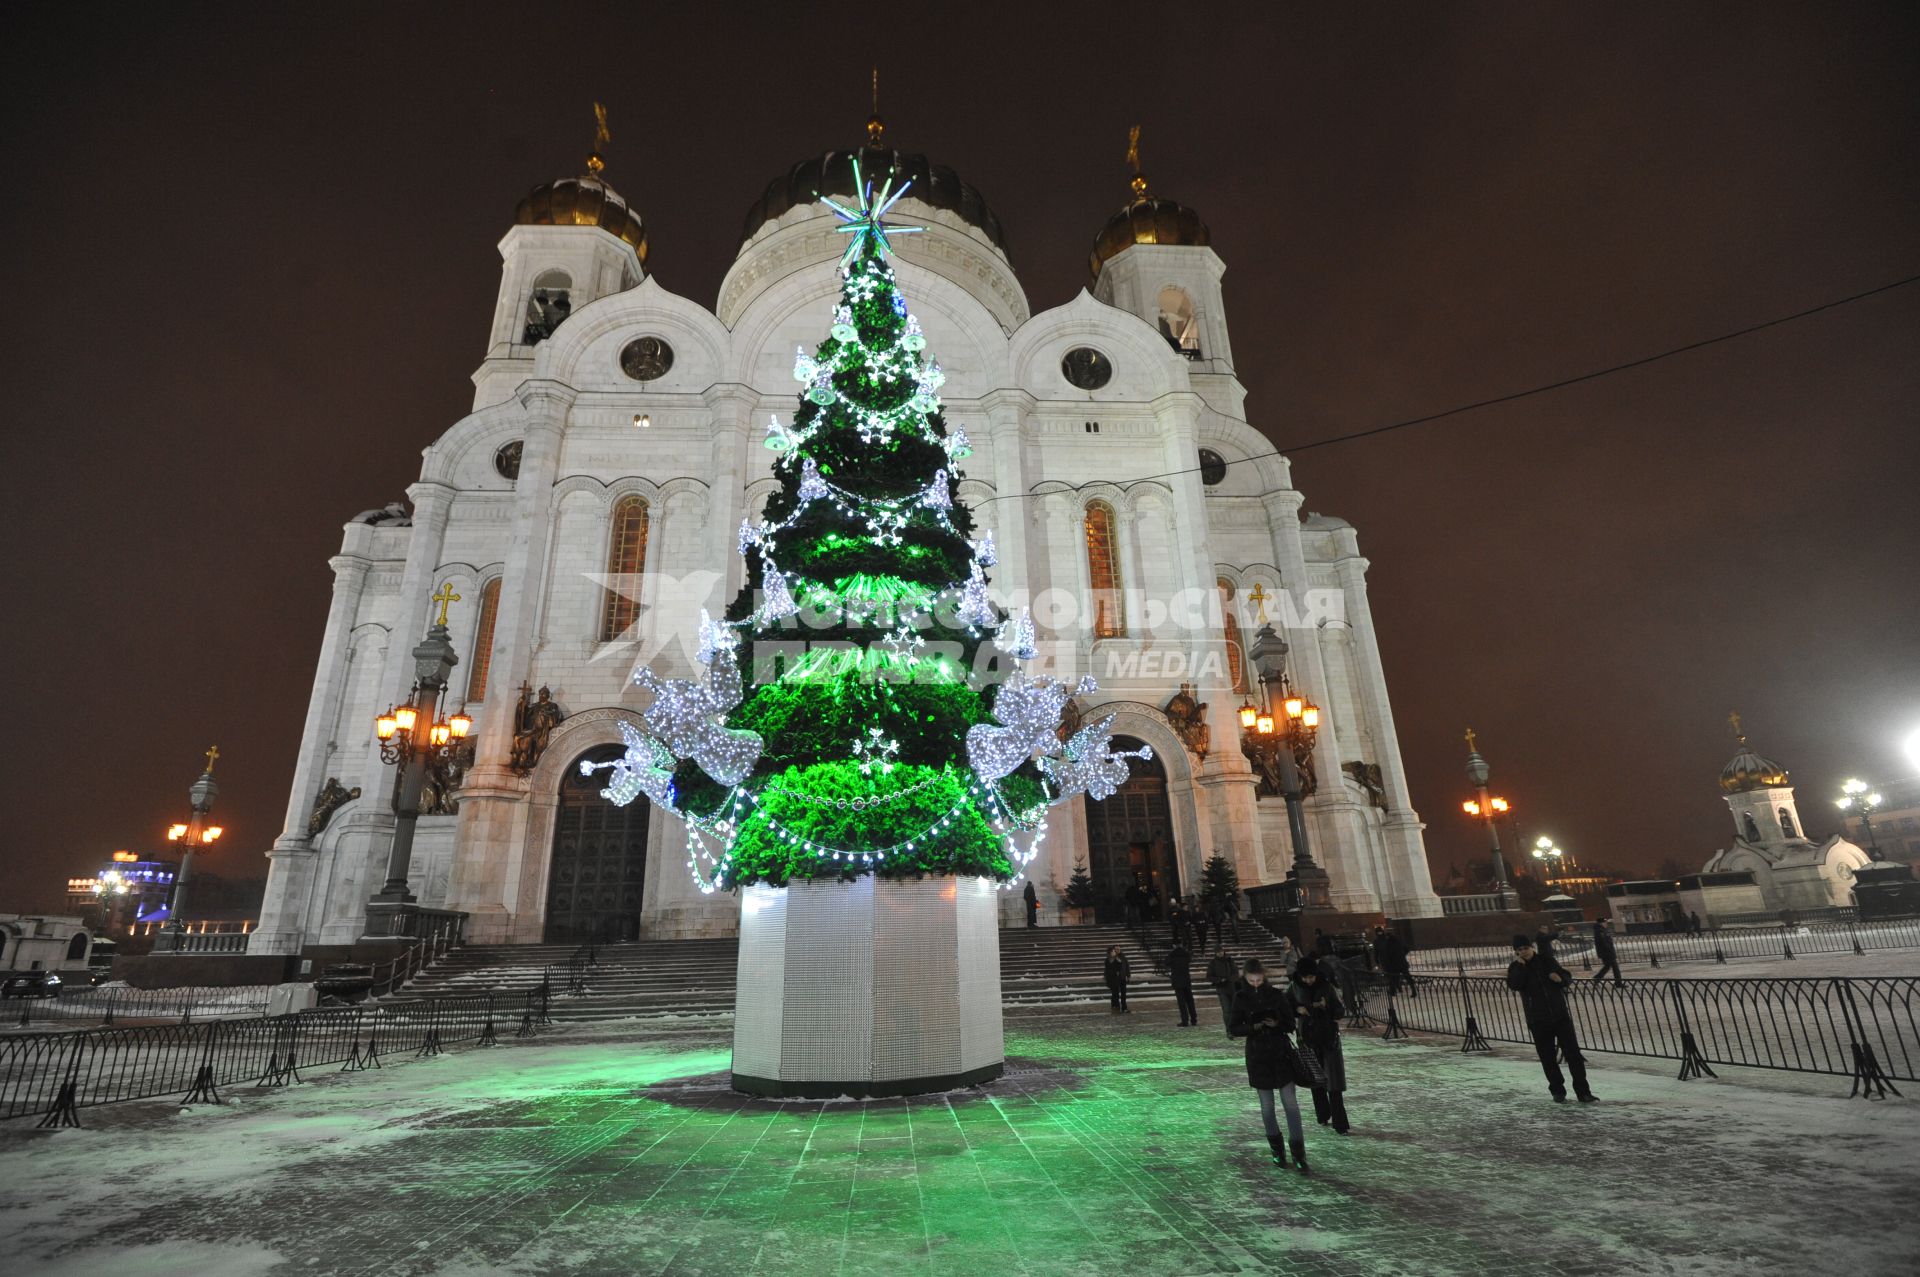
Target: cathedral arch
{"x": 1786, "y": 824}
{"x": 1750, "y": 827}
{"x": 585, "y": 353}
{"x": 1144, "y": 366}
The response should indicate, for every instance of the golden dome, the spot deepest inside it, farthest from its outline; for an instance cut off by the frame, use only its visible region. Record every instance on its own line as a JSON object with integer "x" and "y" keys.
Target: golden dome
{"x": 584, "y": 201}
{"x": 1747, "y": 770}
{"x": 1146, "y": 220}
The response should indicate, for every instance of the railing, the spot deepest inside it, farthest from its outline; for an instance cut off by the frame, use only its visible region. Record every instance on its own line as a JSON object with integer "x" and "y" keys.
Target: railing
{"x": 111, "y": 1004}
{"x": 200, "y": 942}
{"x": 1270, "y": 900}
{"x": 55, "y": 1075}
{"x": 1863, "y": 1028}
{"x": 1784, "y": 943}
{"x": 443, "y": 929}
{"x": 1485, "y": 902}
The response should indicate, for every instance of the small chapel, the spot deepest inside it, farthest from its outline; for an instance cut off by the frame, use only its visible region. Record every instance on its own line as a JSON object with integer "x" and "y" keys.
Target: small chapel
{"x": 1792, "y": 871}
{"x": 574, "y": 524}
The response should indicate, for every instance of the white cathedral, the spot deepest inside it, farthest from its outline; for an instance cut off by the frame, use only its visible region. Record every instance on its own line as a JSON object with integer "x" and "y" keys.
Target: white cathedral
{"x": 588, "y": 508}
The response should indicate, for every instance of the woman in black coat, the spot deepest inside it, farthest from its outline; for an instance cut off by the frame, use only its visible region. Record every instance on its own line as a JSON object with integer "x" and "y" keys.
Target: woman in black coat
{"x": 1264, "y": 1016}
{"x": 1317, "y": 1005}
{"x": 1118, "y": 972}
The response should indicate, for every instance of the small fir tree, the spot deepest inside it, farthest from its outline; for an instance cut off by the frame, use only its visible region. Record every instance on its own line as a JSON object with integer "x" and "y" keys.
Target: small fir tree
{"x": 1080, "y": 888}
{"x": 1219, "y": 882}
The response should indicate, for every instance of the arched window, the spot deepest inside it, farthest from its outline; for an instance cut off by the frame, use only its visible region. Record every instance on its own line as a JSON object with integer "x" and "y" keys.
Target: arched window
{"x": 626, "y": 560}
{"x": 1752, "y": 827}
{"x": 1230, "y": 628}
{"x": 1103, "y": 572}
{"x": 483, "y": 642}
{"x": 1786, "y": 824}
{"x": 1177, "y": 322}
{"x": 548, "y": 306}
{"x": 77, "y": 947}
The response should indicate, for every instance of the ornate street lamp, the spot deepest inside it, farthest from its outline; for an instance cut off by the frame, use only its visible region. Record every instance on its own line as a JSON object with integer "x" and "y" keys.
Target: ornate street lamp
{"x": 1280, "y": 747}
{"x": 1860, "y": 800}
{"x": 1550, "y": 856}
{"x": 192, "y": 836}
{"x": 414, "y": 741}
{"x": 1489, "y": 808}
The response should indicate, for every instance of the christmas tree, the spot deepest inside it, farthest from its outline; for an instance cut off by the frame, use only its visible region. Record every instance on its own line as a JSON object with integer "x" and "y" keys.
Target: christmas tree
{"x": 890, "y": 727}
{"x": 1219, "y": 881}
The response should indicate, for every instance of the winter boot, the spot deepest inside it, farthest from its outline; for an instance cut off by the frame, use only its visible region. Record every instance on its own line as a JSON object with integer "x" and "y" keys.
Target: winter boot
{"x": 1279, "y": 1147}
{"x": 1300, "y": 1157}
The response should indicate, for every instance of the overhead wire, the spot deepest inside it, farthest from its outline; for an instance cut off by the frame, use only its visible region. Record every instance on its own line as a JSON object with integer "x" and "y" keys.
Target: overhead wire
{"x": 1510, "y": 397}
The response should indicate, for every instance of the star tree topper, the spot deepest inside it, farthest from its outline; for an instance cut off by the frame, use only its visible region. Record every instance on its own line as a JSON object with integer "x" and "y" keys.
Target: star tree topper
{"x": 863, "y": 219}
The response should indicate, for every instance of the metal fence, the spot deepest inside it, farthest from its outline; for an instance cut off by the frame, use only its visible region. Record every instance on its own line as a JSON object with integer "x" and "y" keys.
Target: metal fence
{"x": 54, "y": 1075}
{"x": 1784, "y": 943}
{"x": 1864, "y": 1028}
{"x": 108, "y": 1005}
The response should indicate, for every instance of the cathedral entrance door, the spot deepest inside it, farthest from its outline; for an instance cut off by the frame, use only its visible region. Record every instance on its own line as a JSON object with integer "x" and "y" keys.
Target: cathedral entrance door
{"x": 1130, "y": 838}
{"x": 599, "y": 867}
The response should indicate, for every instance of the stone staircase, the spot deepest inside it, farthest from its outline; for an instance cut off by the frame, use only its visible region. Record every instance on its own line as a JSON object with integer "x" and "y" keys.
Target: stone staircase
{"x": 1040, "y": 969}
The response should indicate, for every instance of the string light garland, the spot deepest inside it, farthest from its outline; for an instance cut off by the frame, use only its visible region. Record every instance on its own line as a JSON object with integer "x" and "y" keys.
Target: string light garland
{"x": 891, "y": 557}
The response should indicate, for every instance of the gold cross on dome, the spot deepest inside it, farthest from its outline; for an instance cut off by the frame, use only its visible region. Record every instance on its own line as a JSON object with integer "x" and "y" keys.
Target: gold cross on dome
{"x": 1470, "y": 740}
{"x": 1258, "y": 596}
{"x": 212, "y": 754}
{"x": 1734, "y": 719}
{"x": 443, "y": 596}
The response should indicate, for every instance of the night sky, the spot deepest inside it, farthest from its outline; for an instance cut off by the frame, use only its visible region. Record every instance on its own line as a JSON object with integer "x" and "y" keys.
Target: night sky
{"x": 251, "y": 257}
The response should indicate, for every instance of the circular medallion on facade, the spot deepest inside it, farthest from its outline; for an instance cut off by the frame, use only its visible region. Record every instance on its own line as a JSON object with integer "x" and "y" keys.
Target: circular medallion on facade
{"x": 507, "y": 460}
{"x": 646, "y": 358}
{"x": 1086, "y": 368}
{"x": 1213, "y": 467}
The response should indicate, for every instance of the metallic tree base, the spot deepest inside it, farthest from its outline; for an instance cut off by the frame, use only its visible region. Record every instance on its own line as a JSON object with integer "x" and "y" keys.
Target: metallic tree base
{"x": 868, "y": 988}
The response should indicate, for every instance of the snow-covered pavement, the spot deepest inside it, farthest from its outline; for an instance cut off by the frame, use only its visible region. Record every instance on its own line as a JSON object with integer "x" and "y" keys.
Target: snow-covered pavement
{"x": 1114, "y": 1145}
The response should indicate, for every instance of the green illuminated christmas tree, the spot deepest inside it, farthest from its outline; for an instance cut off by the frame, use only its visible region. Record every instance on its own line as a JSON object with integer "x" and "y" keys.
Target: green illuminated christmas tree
{"x": 880, "y": 733}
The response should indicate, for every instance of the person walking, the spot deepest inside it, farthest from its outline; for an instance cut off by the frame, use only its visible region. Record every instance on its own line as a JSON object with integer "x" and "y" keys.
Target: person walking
{"x": 1693, "y": 921}
{"x": 1153, "y": 901}
{"x": 1318, "y": 1006}
{"x": 1231, "y": 909}
{"x": 1033, "y": 904}
{"x": 1392, "y": 957}
{"x": 1603, "y": 949}
{"x": 1264, "y": 1016}
{"x": 1177, "y": 921}
{"x": 1542, "y": 984}
{"x": 1119, "y": 971}
{"x": 1289, "y": 956}
{"x": 1222, "y": 972}
{"x": 1180, "y": 972}
{"x": 1136, "y": 899}
{"x": 1200, "y": 925}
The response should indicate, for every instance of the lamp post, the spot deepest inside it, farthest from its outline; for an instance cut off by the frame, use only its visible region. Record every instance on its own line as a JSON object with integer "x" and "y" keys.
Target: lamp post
{"x": 1550, "y": 856}
{"x": 412, "y": 739}
{"x": 1489, "y": 807}
{"x": 192, "y": 836}
{"x": 1282, "y": 744}
{"x": 1857, "y": 799}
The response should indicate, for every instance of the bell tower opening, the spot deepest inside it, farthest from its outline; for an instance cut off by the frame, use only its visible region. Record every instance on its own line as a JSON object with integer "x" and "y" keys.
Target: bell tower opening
{"x": 597, "y": 876}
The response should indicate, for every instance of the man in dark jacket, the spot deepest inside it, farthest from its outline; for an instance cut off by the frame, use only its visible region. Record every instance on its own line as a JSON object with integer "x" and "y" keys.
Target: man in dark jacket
{"x": 1542, "y": 984}
{"x": 1180, "y": 972}
{"x": 1222, "y": 973}
{"x": 1136, "y": 898}
{"x": 1392, "y": 957}
{"x": 1177, "y": 921}
{"x": 1033, "y": 904}
{"x": 1603, "y": 949}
